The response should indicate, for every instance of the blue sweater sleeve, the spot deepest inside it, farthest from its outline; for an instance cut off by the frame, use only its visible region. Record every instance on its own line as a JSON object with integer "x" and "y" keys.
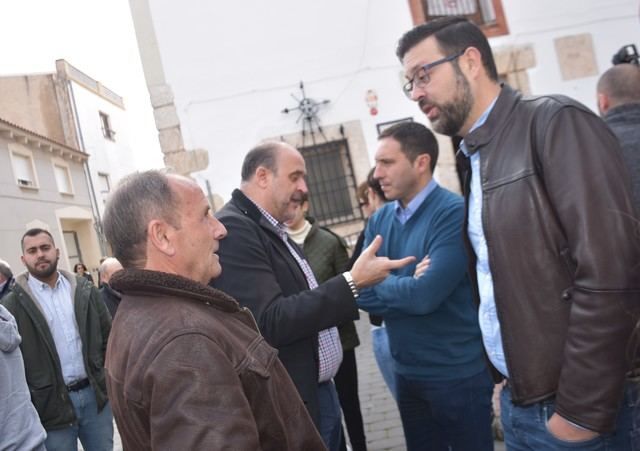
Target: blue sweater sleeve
{"x": 409, "y": 296}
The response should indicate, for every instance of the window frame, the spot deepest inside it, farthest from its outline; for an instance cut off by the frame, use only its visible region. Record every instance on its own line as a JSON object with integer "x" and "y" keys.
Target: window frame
{"x": 420, "y": 15}
{"x": 105, "y": 124}
{"x": 106, "y": 177}
{"x": 322, "y": 193}
{"x": 14, "y": 151}
{"x": 382, "y": 126}
{"x": 56, "y": 162}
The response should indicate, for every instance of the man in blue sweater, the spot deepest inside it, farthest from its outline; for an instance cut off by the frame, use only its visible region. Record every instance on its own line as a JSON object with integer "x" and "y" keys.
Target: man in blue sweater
{"x": 444, "y": 388}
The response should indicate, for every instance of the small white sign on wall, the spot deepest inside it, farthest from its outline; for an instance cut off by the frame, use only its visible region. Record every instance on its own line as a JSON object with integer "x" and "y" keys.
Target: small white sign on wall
{"x": 576, "y": 56}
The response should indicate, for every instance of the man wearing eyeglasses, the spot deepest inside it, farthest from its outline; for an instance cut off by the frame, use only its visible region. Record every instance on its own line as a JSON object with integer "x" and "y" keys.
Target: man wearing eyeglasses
{"x": 554, "y": 253}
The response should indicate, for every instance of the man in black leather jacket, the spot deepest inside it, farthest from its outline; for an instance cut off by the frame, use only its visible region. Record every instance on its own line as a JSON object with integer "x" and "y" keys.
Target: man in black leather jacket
{"x": 554, "y": 248}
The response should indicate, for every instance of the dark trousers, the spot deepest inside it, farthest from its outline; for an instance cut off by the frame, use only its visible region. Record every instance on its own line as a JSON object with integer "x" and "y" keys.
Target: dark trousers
{"x": 346, "y": 381}
{"x": 453, "y": 415}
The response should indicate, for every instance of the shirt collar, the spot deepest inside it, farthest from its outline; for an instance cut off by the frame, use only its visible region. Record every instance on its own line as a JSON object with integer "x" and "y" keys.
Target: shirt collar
{"x": 414, "y": 203}
{"x": 478, "y": 123}
{"x": 280, "y": 227}
{"x": 37, "y": 284}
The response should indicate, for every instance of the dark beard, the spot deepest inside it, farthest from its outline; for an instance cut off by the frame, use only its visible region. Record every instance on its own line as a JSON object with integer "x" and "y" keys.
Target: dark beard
{"x": 454, "y": 114}
{"x": 45, "y": 273}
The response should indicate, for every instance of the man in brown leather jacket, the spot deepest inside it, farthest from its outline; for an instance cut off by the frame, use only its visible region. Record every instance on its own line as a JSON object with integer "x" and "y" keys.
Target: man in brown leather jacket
{"x": 554, "y": 248}
{"x": 186, "y": 366}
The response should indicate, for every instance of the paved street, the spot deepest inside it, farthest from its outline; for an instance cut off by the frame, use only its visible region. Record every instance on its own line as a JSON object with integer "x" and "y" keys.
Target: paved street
{"x": 381, "y": 417}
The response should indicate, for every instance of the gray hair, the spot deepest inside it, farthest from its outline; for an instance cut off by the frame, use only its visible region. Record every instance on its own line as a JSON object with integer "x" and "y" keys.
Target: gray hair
{"x": 106, "y": 264}
{"x": 264, "y": 155}
{"x": 139, "y": 198}
{"x": 109, "y": 266}
{"x": 5, "y": 270}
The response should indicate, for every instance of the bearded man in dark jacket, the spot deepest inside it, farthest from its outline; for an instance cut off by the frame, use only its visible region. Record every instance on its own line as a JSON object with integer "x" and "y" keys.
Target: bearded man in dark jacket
{"x": 552, "y": 240}
{"x": 64, "y": 327}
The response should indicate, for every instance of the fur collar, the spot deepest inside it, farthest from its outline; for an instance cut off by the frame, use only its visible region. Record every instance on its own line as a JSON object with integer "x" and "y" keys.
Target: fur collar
{"x": 130, "y": 281}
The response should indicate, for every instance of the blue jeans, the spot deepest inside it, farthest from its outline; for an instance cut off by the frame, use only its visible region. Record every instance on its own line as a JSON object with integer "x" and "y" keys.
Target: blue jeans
{"x": 382, "y": 353}
{"x": 95, "y": 430}
{"x": 525, "y": 428}
{"x": 330, "y": 416}
{"x": 453, "y": 415}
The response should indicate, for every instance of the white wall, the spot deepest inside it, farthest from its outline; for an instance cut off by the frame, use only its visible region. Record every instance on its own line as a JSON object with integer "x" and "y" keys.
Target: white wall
{"x": 611, "y": 23}
{"x": 116, "y": 157}
{"x": 233, "y": 65}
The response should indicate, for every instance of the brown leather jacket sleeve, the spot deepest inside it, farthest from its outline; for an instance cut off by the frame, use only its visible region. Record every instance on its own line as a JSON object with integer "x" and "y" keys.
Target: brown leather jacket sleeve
{"x": 196, "y": 399}
{"x": 605, "y": 263}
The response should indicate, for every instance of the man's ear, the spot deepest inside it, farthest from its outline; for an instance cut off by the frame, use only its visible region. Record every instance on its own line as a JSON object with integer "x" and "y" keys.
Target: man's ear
{"x": 603, "y": 103}
{"x": 471, "y": 61}
{"x": 160, "y": 236}
{"x": 262, "y": 176}
{"x": 423, "y": 162}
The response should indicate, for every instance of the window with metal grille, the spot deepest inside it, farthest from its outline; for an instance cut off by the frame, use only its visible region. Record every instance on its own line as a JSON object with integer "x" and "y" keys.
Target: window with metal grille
{"x": 331, "y": 183}
{"x": 487, "y": 14}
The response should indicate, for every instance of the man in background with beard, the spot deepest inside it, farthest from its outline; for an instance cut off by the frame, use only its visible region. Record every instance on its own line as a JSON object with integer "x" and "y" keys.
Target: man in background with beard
{"x": 64, "y": 327}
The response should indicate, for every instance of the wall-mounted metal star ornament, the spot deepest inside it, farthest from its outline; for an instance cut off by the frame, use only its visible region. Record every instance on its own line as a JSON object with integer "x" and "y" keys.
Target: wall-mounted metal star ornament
{"x": 309, "y": 109}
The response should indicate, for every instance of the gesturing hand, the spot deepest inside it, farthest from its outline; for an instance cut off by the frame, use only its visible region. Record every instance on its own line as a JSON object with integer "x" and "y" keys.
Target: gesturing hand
{"x": 369, "y": 269}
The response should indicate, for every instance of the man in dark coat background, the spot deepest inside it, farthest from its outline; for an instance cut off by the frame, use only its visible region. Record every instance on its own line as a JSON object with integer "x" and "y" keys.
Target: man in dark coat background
{"x": 110, "y": 297}
{"x": 619, "y": 105}
{"x": 266, "y": 272}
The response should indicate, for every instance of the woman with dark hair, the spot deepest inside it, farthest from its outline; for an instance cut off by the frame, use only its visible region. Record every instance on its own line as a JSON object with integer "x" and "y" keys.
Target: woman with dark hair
{"x": 370, "y": 197}
{"x": 81, "y": 271}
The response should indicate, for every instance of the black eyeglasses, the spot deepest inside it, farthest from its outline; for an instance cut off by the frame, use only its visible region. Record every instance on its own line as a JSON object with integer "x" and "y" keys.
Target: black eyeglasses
{"x": 422, "y": 78}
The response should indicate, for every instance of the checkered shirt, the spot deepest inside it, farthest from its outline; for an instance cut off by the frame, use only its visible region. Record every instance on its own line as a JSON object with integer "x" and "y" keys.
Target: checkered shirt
{"x": 329, "y": 346}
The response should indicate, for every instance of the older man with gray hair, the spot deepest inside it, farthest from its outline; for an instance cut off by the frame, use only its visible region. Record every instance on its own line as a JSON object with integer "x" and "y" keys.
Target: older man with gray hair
{"x": 186, "y": 365}
{"x": 110, "y": 297}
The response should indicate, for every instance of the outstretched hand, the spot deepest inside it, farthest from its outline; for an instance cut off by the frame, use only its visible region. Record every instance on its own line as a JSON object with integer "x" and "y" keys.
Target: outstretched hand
{"x": 369, "y": 269}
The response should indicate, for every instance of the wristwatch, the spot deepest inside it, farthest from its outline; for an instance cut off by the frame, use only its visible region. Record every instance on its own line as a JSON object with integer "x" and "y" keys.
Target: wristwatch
{"x": 352, "y": 285}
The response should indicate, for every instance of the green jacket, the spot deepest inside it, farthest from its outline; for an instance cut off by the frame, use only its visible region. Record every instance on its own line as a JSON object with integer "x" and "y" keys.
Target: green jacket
{"x": 327, "y": 254}
{"x": 42, "y": 365}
